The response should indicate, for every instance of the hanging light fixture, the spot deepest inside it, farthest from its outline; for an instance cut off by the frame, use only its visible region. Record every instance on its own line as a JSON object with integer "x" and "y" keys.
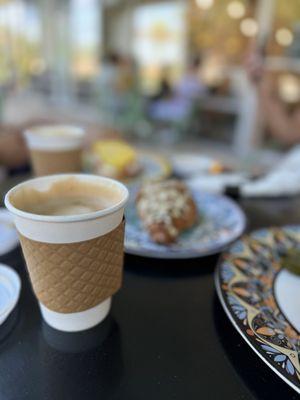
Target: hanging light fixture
{"x": 205, "y": 4}
{"x": 249, "y": 27}
{"x": 284, "y": 37}
{"x": 236, "y": 9}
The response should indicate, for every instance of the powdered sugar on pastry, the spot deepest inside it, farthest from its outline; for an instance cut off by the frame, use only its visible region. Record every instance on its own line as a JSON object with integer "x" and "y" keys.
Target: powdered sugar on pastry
{"x": 166, "y": 208}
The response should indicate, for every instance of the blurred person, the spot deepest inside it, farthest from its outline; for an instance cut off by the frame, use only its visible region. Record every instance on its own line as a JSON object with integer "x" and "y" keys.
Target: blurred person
{"x": 117, "y": 89}
{"x": 132, "y": 105}
{"x": 110, "y": 70}
{"x": 164, "y": 88}
{"x": 282, "y": 124}
{"x": 176, "y": 104}
{"x": 107, "y": 86}
{"x": 190, "y": 86}
{"x": 127, "y": 75}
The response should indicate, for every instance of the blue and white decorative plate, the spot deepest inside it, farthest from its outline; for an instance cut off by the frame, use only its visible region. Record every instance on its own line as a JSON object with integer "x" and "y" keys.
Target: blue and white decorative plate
{"x": 262, "y": 299}
{"x": 221, "y": 221}
{"x": 154, "y": 167}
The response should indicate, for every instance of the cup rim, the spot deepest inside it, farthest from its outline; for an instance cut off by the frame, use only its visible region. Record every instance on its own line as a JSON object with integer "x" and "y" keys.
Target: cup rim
{"x": 66, "y": 218}
{"x": 77, "y": 130}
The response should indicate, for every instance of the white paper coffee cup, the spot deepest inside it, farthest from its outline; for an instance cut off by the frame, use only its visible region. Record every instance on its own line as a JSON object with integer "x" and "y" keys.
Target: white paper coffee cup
{"x": 55, "y": 148}
{"x": 71, "y": 229}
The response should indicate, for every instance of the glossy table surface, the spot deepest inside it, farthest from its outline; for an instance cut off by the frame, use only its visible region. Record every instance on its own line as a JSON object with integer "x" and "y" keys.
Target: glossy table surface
{"x": 167, "y": 337}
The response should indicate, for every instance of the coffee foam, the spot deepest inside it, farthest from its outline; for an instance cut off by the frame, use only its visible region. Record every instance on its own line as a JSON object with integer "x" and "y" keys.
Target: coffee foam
{"x": 70, "y": 196}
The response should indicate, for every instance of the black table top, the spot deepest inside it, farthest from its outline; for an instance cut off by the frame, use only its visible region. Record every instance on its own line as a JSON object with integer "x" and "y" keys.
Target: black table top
{"x": 167, "y": 337}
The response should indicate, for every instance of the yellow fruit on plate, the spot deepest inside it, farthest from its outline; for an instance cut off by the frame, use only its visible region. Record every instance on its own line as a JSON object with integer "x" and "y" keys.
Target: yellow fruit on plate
{"x": 115, "y": 153}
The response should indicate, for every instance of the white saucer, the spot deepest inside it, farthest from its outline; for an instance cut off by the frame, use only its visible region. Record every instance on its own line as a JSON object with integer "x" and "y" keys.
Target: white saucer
{"x": 186, "y": 165}
{"x": 8, "y": 235}
{"x": 10, "y": 287}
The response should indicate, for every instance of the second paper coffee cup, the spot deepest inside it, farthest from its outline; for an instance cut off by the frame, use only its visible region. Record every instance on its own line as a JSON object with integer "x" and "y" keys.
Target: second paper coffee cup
{"x": 72, "y": 235}
{"x": 55, "y": 148}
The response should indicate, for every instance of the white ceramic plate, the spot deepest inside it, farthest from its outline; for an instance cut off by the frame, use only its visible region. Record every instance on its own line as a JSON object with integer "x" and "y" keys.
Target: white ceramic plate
{"x": 8, "y": 234}
{"x": 10, "y": 287}
{"x": 186, "y": 165}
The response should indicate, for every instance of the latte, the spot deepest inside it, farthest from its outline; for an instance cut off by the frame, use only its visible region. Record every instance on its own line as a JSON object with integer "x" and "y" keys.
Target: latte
{"x": 66, "y": 197}
{"x": 55, "y": 149}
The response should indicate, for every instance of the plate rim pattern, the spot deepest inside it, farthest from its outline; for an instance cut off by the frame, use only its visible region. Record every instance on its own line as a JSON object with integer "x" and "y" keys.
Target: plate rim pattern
{"x": 264, "y": 350}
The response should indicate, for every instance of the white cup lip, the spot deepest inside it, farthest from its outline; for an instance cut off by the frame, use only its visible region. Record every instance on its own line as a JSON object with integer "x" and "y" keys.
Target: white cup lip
{"x": 74, "y": 129}
{"x": 67, "y": 218}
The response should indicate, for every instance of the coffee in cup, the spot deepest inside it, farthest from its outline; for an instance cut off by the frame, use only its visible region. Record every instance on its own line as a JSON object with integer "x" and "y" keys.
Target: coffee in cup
{"x": 55, "y": 149}
{"x": 72, "y": 235}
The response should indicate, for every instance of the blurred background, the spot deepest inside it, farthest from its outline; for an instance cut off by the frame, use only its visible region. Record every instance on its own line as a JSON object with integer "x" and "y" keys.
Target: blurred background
{"x": 189, "y": 74}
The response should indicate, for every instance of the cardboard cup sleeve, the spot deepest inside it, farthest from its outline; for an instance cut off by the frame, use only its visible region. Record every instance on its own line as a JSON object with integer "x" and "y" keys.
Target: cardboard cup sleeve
{"x": 74, "y": 277}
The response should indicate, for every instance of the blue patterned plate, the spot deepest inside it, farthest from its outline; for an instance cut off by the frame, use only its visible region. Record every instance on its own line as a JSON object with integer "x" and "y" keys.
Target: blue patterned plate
{"x": 221, "y": 221}
{"x": 153, "y": 167}
{"x": 262, "y": 300}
